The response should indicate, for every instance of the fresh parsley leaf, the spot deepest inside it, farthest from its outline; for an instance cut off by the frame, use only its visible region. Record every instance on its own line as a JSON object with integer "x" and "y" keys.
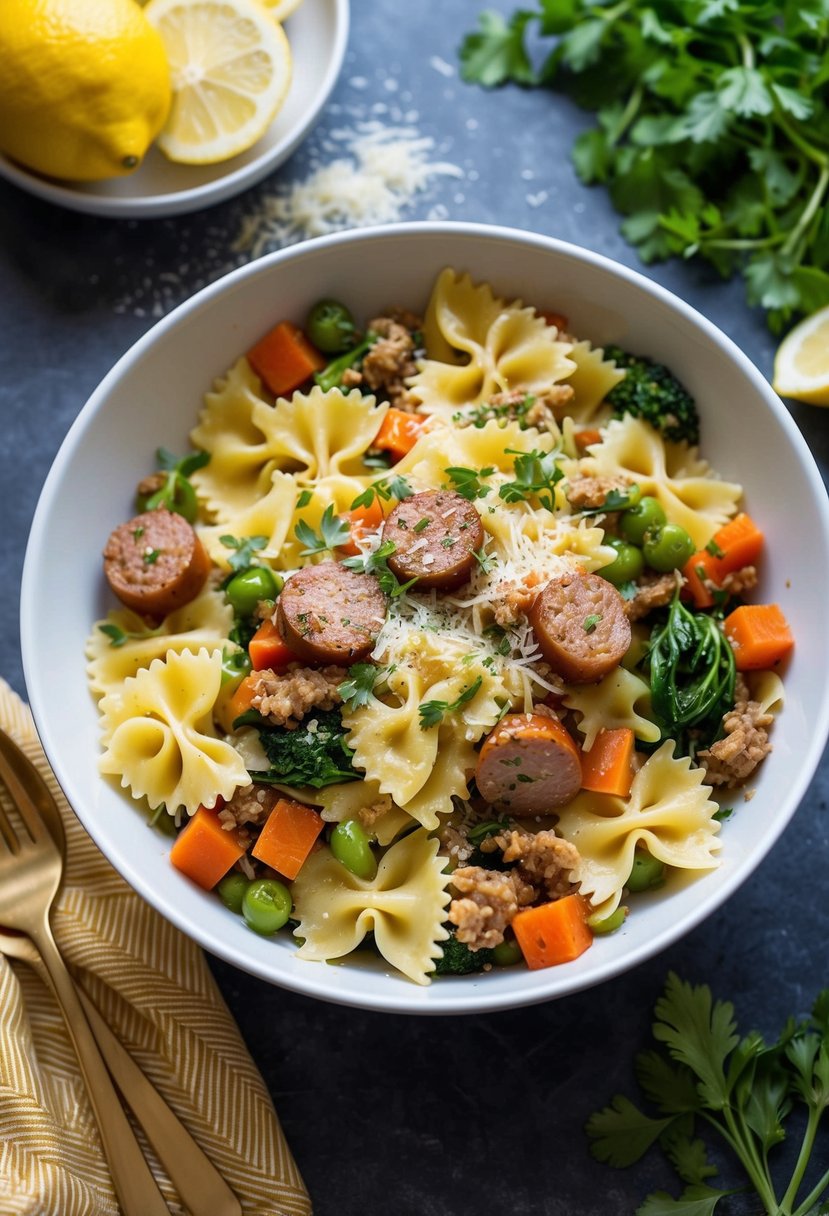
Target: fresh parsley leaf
{"x": 469, "y": 482}
{"x": 244, "y": 548}
{"x": 621, "y": 1134}
{"x": 119, "y": 637}
{"x": 487, "y": 561}
{"x": 334, "y": 531}
{"x": 536, "y": 475}
{"x": 357, "y": 690}
{"x": 496, "y": 52}
{"x": 303, "y": 499}
{"x": 376, "y": 563}
{"x": 591, "y": 621}
{"x": 490, "y": 828}
{"x": 390, "y": 487}
{"x": 694, "y": 1201}
{"x": 432, "y": 712}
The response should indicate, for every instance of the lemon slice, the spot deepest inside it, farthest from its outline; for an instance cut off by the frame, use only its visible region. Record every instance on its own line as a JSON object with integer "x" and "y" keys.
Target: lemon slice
{"x": 280, "y": 9}
{"x": 230, "y": 65}
{"x": 801, "y": 366}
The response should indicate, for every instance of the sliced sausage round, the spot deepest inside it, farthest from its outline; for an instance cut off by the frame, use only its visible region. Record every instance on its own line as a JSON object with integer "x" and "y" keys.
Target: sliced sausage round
{"x": 330, "y": 614}
{"x": 435, "y": 535}
{"x": 582, "y": 629}
{"x": 528, "y": 764}
{"x": 155, "y": 563}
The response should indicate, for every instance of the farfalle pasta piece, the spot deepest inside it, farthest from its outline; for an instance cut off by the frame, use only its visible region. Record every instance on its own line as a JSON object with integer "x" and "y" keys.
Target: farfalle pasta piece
{"x": 491, "y": 446}
{"x": 592, "y": 380}
{"x": 204, "y": 622}
{"x": 312, "y": 435}
{"x": 159, "y": 735}
{"x": 669, "y": 812}
{"x": 479, "y": 345}
{"x": 276, "y": 514}
{"x": 404, "y": 906}
{"x": 621, "y": 699}
{"x": 691, "y": 495}
{"x": 347, "y": 800}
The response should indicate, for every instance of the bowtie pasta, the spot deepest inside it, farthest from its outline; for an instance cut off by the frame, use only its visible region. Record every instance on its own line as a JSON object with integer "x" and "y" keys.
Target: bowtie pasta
{"x": 438, "y": 642}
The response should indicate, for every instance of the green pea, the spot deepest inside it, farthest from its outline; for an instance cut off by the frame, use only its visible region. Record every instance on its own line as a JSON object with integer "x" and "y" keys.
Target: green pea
{"x": 507, "y": 953}
{"x": 646, "y": 873}
{"x": 236, "y": 665}
{"x": 667, "y": 548}
{"x": 330, "y": 327}
{"x": 231, "y": 890}
{"x": 627, "y": 565}
{"x": 608, "y": 924}
{"x": 247, "y": 588}
{"x": 266, "y": 905}
{"x": 352, "y": 848}
{"x": 645, "y": 516}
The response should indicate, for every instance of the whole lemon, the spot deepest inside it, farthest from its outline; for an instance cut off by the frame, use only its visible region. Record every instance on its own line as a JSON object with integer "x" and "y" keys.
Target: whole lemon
{"x": 84, "y": 86}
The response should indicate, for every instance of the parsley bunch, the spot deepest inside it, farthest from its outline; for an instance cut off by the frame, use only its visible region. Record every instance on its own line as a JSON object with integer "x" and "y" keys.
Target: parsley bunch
{"x": 712, "y": 127}
{"x": 743, "y": 1089}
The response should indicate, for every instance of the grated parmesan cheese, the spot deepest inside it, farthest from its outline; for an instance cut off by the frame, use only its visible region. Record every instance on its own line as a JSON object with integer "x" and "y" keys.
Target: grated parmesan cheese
{"x": 383, "y": 170}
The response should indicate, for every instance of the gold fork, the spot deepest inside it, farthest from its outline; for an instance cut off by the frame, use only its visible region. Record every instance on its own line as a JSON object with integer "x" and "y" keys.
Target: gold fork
{"x": 31, "y": 866}
{"x": 201, "y": 1187}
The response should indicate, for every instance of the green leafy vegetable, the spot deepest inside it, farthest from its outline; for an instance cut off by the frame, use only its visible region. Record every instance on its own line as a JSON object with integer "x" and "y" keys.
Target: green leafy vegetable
{"x": 711, "y": 132}
{"x": 431, "y": 712}
{"x": 651, "y": 392}
{"x": 746, "y": 1091}
{"x": 536, "y": 475}
{"x": 692, "y": 675}
{"x": 458, "y": 959}
{"x": 314, "y": 754}
{"x": 331, "y": 375}
{"x": 333, "y": 531}
{"x": 376, "y": 563}
{"x": 244, "y": 548}
{"x": 358, "y": 688}
{"x": 175, "y": 491}
{"x": 469, "y": 482}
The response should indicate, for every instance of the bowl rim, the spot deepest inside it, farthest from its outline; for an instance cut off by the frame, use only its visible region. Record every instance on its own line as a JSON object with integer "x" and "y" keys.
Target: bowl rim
{"x": 208, "y": 194}
{"x": 398, "y": 1001}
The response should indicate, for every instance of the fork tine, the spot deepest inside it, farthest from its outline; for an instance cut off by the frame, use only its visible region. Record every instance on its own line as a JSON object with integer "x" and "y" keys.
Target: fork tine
{"x": 22, "y": 801}
{"x": 8, "y": 836}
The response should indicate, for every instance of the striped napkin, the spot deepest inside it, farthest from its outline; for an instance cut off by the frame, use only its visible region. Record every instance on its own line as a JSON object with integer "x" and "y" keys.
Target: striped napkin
{"x": 153, "y": 987}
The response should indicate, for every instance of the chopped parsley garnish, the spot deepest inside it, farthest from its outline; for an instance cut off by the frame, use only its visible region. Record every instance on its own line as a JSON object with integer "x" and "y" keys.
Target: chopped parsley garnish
{"x": 490, "y": 828}
{"x": 714, "y": 549}
{"x": 536, "y": 474}
{"x": 448, "y": 541}
{"x": 487, "y": 561}
{"x": 137, "y": 533}
{"x": 151, "y": 557}
{"x": 468, "y": 482}
{"x": 431, "y": 712}
{"x": 333, "y": 531}
{"x": 118, "y": 637}
{"x": 175, "y": 493}
{"x": 615, "y": 500}
{"x": 725, "y": 812}
{"x": 627, "y": 590}
{"x": 421, "y": 524}
{"x": 304, "y": 498}
{"x": 390, "y": 487}
{"x": 590, "y": 622}
{"x": 357, "y": 690}
{"x": 376, "y": 563}
{"x": 244, "y": 548}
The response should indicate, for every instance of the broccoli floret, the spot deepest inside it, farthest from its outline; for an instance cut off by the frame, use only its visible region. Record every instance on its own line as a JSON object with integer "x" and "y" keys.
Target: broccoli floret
{"x": 651, "y": 392}
{"x": 458, "y": 959}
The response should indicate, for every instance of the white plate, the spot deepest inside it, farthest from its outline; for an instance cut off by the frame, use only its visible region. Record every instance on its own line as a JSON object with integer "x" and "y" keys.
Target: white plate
{"x": 152, "y": 397}
{"x": 318, "y": 33}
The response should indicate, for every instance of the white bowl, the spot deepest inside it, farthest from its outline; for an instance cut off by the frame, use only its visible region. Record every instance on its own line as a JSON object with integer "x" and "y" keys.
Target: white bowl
{"x": 151, "y": 397}
{"x": 318, "y": 33}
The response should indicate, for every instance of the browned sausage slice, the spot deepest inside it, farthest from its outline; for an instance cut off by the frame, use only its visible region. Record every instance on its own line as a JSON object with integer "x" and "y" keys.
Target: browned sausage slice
{"x": 330, "y": 614}
{"x": 528, "y": 764}
{"x": 155, "y": 563}
{"x": 435, "y": 535}
{"x": 580, "y": 622}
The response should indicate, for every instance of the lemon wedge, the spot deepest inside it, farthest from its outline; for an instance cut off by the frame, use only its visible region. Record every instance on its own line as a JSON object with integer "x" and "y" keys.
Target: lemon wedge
{"x": 801, "y": 365}
{"x": 230, "y": 68}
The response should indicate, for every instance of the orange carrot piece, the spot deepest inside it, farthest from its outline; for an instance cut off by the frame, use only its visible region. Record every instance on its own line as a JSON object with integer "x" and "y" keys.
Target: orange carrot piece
{"x": 241, "y": 700}
{"x": 586, "y": 436}
{"x": 284, "y": 359}
{"x": 267, "y": 650}
{"x": 552, "y": 933}
{"x": 288, "y": 836}
{"x": 557, "y": 319}
{"x": 606, "y": 768}
{"x": 360, "y": 521}
{"x": 737, "y": 544}
{"x": 204, "y": 851}
{"x": 759, "y": 634}
{"x": 399, "y": 432}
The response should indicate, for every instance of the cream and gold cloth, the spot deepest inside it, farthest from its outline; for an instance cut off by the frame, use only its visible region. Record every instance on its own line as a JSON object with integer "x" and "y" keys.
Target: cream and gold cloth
{"x": 153, "y": 987}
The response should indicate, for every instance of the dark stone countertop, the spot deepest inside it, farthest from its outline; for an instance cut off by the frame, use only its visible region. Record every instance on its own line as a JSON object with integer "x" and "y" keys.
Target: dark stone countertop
{"x": 394, "y": 1115}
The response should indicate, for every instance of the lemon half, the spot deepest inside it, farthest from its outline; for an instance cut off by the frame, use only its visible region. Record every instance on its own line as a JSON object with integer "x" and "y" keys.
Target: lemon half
{"x": 281, "y": 9}
{"x": 801, "y": 365}
{"x": 230, "y": 66}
